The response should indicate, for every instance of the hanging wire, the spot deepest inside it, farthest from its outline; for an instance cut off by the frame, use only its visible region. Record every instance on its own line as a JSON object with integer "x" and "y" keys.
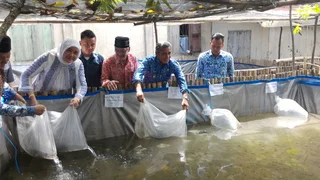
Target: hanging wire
{"x": 15, "y": 150}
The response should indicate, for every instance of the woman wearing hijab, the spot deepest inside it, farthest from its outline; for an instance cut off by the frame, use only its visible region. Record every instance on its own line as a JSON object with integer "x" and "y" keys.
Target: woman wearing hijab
{"x": 58, "y": 69}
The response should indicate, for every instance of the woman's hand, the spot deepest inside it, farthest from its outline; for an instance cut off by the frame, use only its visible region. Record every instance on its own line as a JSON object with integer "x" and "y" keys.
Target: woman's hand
{"x": 75, "y": 102}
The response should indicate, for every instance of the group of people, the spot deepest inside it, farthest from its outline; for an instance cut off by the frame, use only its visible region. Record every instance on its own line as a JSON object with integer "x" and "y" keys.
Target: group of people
{"x": 75, "y": 65}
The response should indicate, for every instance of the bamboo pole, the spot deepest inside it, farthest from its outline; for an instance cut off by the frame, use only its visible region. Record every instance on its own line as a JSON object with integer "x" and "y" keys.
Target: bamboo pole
{"x": 314, "y": 39}
{"x": 292, "y": 36}
{"x": 155, "y": 31}
{"x": 279, "y": 46}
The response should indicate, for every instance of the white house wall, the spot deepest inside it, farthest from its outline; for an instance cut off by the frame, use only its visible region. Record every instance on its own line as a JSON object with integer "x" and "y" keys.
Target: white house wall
{"x": 31, "y": 40}
{"x": 206, "y": 33}
{"x": 259, "y": 37}
{"x": 303, "y": 43}
{"x": 264, "y": 41}
{"x": 105, "y": 34}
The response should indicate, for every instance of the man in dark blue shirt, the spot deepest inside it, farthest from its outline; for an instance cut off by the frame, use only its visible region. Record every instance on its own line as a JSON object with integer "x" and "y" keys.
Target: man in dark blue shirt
{"x": 92, "y": 62}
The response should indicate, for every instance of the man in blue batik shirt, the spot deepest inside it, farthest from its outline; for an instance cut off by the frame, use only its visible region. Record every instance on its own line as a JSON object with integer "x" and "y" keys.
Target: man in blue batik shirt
{"x": 158, "y": 68}
{"x": 215, "y": 63}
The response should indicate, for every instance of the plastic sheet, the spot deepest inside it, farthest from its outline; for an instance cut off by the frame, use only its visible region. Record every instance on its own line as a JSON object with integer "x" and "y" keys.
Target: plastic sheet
{"x": 152, "y": 122}
{"x": 67, "y": 130}
{"x": 222, "y": 118}
{"x": 36, "y": 137}
{"x": 289, "y": 107}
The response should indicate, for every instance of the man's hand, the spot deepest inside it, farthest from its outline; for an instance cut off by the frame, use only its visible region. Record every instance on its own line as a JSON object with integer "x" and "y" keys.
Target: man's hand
{"x": 185, "y": 103}
{"x": 110, "y": 85}
{"x": 18, "y": 97}
{"x": 75, "y": 102}
{"x": 140, "y": 96}
{"x": 39, "y": 109}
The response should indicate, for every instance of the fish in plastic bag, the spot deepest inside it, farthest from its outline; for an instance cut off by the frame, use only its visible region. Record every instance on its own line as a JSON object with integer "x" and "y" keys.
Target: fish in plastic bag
{"x": 292, "y": 114}
{"x": 36, "y": 137}
{"x": 154, "y": 123}
{"x": 222, "y": 118}
{"x": 67, "y": 130}
{"x": 289, "y": 107}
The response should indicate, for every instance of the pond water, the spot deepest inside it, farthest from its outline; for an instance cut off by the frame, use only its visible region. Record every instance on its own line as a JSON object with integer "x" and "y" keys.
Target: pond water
{"x": 259, "y": 150}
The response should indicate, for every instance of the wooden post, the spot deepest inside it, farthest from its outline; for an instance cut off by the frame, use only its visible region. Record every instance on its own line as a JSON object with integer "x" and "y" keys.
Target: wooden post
{"x": 279, "y": 46}
{"x": 292, "y": 38}
{"x": 53, "y": 93}
{"x": 159, "y": 84}
{"x": 154, "y": 85}
{"x": 314, "y": 39}
{"x": 155, "y": 31}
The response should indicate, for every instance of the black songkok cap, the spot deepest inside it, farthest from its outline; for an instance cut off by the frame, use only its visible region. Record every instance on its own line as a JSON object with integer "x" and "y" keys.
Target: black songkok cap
{"x": 5, "y": 44}
{"x": 121, "y": 42}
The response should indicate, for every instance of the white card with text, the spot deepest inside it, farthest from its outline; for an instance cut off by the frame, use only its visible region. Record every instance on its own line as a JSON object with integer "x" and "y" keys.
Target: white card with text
{"x": 271, "y": 87}
{"x": 113, "y": 100}
{"x": 216, "y": 89}
{"x": 174, "y": 93}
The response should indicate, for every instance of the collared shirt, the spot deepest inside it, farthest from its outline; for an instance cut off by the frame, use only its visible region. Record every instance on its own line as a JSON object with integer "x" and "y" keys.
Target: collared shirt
{"x": 209, "y": 66}
{"x": 151, "y": 70}
{"x": 12, "y": 110}
{"x": 114, "y": 69}
{"x": 8, "y": 73}
{"x": 92, "y": 69}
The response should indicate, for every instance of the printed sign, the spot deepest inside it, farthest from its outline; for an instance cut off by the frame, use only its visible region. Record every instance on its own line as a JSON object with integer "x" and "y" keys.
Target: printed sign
{"x": 174, "y": 93}
{"x": 113, "y": 100}
{"x": 216, "y": 89}
{"x": 271, "y": 87}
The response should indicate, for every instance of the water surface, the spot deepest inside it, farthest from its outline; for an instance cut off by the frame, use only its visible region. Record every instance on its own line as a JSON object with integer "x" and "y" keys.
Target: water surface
{"x": 259, "y": 150}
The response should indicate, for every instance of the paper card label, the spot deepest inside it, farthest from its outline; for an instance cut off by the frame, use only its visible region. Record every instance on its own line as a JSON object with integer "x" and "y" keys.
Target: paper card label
{"x": 271, "y": 87}
{"x": 113, "y": 100}
{"x": 174, "y": 93}
{"x": 216, "y": 89}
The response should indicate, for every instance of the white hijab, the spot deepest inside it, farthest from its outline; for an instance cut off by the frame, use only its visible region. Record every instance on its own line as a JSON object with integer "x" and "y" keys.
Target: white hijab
{"x": 67, "y": 43}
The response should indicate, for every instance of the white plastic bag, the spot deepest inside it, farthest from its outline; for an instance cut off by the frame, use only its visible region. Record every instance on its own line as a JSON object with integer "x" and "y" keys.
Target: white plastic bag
{"x": 152, "y": 122}
{"x": 222, "y": 118}
{"x": 292, "y": 113}
{"x": 67, "y": 130}
{"x": 289, "y": 107}
{"x": 36, "y": 137}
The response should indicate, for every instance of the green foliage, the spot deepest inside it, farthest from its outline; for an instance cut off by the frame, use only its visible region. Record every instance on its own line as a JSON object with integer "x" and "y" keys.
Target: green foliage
{"x": 154, "y": 6}
{"x": 297, "y": 29}
{"x": 108, "y": 5}
{"x": 305, "y": 13}
{"x": 307, "y": 10}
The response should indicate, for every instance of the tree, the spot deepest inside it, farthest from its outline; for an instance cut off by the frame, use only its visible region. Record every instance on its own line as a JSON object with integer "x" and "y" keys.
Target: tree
{"x": 305, "y": 13}
{"x": 13, "y": 14}
{"x": 151, "y": 10}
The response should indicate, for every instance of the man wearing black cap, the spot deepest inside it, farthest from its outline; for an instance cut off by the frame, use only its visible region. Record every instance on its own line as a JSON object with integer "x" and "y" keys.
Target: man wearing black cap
{"x": 7, "y": 93}
{"x": 92, "y": 62}
{"x": 118, "y": 69}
